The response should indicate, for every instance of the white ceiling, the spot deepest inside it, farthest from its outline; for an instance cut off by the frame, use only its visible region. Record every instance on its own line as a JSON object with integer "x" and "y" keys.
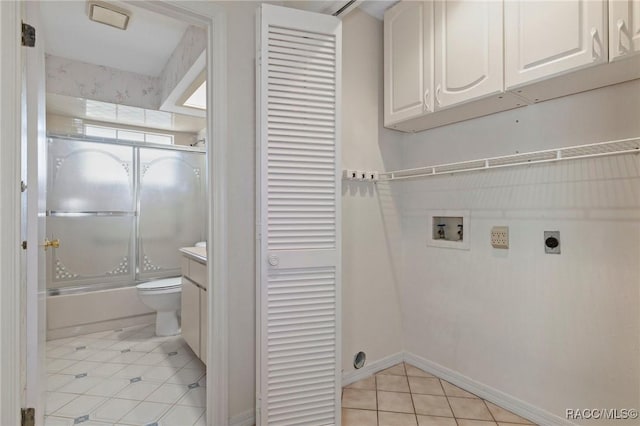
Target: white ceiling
{"x": 143, "y": 48}
{"x": 318, "y": 6}
{"x": 377, "y": 8}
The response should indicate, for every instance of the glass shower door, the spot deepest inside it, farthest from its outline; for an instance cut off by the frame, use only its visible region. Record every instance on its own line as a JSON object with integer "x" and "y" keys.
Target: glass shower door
{"x": 91, "y": 195}
{"x": 121, "y": 212}
{"x": 172, "y": 194}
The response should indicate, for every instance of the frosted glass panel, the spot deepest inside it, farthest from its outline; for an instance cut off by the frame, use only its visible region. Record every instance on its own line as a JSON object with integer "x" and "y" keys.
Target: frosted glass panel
{"x": 121, "y": 212}
{"x": 171, "y": 207}
{"x": 93, "y": 249}
{"x": 85, "y": 176}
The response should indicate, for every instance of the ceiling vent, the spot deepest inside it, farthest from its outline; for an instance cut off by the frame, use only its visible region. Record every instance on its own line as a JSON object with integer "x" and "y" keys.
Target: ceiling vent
{"x": 109, "y": 14}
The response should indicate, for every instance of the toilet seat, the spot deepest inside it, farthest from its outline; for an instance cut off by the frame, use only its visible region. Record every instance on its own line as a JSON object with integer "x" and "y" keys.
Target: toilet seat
{"x": 167, "y": 285}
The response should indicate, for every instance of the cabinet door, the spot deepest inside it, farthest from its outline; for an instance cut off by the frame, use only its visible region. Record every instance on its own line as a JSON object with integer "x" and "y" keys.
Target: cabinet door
{"x": 204, "y": 325}
{"x": 191, "y": 315}
{"x": 408, "y": 61}
{"x": 547, "y": 38}
{"x": 468, "y": 51}
{"x": 624, "y": 28}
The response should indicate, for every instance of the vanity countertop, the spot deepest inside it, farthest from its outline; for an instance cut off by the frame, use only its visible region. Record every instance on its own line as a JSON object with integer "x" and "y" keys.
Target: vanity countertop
{"x": 196, "y": 253}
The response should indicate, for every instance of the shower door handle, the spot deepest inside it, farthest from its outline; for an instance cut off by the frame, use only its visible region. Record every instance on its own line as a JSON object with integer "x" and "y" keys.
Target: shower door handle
{"x": 52, "y": 243}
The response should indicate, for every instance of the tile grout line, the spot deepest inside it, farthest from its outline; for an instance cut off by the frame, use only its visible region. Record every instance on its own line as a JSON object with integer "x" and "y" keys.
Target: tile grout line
{"x": 455, "y": 419}
{"x": 377, "y": 403}
{"x": 490, "y": 413}
{"x": 415, "y": 412}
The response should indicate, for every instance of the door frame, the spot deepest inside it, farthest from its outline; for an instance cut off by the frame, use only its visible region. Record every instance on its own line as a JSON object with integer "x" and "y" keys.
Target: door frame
{"x": 12, "y": 303}
{"x": 11, "y": 340}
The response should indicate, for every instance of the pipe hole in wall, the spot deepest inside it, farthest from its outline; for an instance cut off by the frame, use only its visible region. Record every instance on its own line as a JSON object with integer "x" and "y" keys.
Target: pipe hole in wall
{"x": 359, "y": 360}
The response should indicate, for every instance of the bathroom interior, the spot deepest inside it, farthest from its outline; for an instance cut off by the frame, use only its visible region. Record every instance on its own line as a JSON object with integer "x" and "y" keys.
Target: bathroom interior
{"x": 469, "y": 297}
{"x": 126, "y": 217}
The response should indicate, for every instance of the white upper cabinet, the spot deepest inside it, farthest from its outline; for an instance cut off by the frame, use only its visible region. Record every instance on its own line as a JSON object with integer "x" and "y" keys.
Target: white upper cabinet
{"x": 408, "y": 61}
{"x": 468, "y": 51}
{"x": 447, "y": 61}
{"x": 549, "y": 38}
{"x": 624, "y": 28}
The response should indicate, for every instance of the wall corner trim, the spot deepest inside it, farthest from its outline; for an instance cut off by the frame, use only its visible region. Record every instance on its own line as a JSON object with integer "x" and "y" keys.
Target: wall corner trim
{"x": 511, "y": 403}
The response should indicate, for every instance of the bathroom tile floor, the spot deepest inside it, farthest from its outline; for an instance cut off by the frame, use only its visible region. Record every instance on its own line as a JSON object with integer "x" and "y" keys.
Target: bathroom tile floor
{"x": 124, "y": 377}
{"x": 404, "y": 395}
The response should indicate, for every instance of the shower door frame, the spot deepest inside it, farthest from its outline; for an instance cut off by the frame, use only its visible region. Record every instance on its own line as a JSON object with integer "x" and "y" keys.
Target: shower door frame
{"x": 12, "y": 302}
{"x": 136, "y": 275}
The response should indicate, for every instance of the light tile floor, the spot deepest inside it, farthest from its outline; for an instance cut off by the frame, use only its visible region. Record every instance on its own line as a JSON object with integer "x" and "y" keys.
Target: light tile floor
{"x": 124, "y": 377}
{"x": 131, "y": 377}
{"x": 404, "y": 395}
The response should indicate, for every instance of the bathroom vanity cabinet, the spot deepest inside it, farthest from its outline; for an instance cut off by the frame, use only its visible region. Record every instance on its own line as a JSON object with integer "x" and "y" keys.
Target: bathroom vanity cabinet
{"x": 195, "y": 311}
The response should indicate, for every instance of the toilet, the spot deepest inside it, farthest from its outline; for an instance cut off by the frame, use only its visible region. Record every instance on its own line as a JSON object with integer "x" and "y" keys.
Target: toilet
{"x": 163, "y": 296}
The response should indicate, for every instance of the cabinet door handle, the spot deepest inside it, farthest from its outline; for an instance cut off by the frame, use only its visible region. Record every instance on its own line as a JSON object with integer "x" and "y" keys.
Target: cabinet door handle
{"x": 425, "y": 105}
{"x": 438, "y": 90}
{"x": 595, "y": 40}
{"x": 620, "y": 24}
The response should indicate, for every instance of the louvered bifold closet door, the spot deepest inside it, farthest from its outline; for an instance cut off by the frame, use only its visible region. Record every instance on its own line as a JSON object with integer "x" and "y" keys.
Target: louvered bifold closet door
{"x": 298, "y": 295}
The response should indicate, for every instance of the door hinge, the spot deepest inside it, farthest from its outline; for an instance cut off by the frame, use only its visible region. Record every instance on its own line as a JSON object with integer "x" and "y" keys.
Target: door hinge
{"x": 23, "y": 186}
{"x": 28, "y": 417}
{"x": 28, "y": 35}
{"x": 24, "y": 245}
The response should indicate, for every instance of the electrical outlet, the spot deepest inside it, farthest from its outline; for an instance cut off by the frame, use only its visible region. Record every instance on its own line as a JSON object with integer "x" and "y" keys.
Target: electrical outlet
{"x": 374, "y": 176}
{"x": 500, "y": 237}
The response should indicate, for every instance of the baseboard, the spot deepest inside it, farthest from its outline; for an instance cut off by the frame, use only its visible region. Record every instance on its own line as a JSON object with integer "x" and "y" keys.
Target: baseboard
{"x": 78, "y": 330}
{"x": 248, "y": 418}
{"x": 373, "y": 368}
{"x": 535, "y": 414}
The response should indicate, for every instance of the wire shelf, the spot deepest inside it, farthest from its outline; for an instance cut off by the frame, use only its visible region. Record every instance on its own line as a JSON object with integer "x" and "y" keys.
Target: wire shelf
{"x": 601, "y": 149}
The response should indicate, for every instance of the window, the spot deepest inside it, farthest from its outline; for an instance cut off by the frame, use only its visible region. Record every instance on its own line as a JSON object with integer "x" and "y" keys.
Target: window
{"x": 198, "y": 98}
{"x": 127, "y": 135}
{"x": 100, "y": 132}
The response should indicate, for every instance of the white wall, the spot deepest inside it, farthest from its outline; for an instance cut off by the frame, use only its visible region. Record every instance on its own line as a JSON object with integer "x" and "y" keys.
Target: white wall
{"x": 241, "y": 203}
{"x": 370, "y": 219}
{"x": 556, "y": 331}
{"x": 191, "y": 46}
{"x": 82, "y": 80}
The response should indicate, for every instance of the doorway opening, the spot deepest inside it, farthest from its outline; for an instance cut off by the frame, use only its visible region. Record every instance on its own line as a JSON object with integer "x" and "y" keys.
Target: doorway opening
{"x": 128, "y": 187}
